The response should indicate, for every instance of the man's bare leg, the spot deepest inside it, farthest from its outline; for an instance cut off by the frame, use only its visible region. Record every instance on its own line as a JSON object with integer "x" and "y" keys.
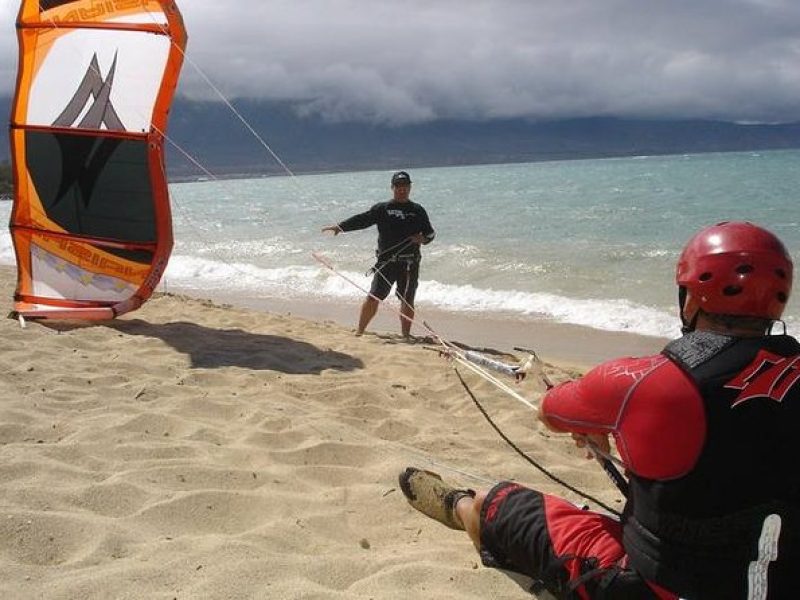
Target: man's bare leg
{"x": 468, "y": 511}
{"x": 368, "y": 310}
{"x": 406, "y": 320}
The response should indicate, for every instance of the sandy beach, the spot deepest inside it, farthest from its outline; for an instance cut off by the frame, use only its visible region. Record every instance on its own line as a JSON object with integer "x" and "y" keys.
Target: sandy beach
{"x": 198, "y": 450}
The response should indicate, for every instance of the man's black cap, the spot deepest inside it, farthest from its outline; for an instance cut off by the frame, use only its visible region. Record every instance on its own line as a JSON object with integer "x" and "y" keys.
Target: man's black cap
{"x": 401, "y": 178}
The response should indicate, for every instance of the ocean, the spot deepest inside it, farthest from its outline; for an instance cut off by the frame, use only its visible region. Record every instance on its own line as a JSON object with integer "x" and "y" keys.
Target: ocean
{"x": 587, "y": 242}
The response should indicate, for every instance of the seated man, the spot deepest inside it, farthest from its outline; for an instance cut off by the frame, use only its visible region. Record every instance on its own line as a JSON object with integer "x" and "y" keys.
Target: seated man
{"x": 708, "y": 432}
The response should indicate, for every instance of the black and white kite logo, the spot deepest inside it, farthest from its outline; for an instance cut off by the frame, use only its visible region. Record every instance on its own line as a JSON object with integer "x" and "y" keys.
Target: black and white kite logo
{"x": 93, "y": 87}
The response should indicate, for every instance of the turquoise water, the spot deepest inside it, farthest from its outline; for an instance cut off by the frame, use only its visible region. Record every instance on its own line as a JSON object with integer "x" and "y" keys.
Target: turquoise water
{"x": 592, "y": 242}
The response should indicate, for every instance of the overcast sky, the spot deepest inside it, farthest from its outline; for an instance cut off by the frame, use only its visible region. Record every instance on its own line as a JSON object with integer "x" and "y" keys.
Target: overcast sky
{"x": 403, "y": 61}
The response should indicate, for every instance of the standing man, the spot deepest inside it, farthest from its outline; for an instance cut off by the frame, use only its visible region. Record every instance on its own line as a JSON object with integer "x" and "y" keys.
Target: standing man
{"x": 707, "y": 430}
{"x": 403, "y": 226}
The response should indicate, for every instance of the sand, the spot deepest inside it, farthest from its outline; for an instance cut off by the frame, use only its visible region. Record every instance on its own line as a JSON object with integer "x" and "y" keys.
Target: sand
{"x": 198, "y": 450}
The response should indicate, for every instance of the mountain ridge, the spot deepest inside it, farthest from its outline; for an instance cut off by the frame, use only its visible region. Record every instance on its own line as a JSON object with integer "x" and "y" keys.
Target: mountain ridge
{"x": 217, "y": 140}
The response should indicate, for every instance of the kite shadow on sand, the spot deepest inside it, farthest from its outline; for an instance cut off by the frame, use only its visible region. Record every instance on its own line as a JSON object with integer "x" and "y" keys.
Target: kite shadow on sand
{"x": 211, "y": 348}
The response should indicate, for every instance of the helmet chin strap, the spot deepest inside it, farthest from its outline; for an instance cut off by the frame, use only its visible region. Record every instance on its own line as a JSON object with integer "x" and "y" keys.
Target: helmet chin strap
{"x": 688, "y": 326}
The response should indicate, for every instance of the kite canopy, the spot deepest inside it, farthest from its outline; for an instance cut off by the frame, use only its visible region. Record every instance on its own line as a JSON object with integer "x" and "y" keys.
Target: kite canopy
{"x": 91, "y": 221}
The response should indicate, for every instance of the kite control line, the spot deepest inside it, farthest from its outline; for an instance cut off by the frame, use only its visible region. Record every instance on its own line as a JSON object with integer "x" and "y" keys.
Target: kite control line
{"x": 460, "y": 356}
{"x": 606, "y": 460}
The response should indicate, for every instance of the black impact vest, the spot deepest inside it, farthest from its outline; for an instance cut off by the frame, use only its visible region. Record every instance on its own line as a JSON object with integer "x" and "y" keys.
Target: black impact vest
{"x": 699, "y": 534}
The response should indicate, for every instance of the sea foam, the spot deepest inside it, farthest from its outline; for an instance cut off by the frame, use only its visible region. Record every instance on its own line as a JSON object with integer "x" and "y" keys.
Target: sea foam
{"x": 301, "y": 281}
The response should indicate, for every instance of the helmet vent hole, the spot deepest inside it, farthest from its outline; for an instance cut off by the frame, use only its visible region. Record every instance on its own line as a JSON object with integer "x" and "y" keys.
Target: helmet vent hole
{"x": 705, "y": 276}
{"x": 780, "y": 273}
{"x": 744, "y": 269}
{"x": 732, "y": 290}
{"x": 782, "y": 298}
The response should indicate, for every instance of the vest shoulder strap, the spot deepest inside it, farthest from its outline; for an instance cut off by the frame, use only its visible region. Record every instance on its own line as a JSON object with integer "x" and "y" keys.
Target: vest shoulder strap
{"x": 697, "y": 348}
{"x": 695, "y": 352}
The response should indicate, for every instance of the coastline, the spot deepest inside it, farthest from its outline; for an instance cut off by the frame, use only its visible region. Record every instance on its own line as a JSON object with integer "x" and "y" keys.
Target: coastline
{"x": 563, "y": 343}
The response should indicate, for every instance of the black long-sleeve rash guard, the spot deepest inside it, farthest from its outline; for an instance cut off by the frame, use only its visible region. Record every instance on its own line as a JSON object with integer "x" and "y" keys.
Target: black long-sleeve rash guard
{"x": 396, "y": 222}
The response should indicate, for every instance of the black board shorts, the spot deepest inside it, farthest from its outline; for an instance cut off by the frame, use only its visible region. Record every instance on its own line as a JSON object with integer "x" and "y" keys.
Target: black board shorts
{"x": 402, "y": 273}
{"x": 573, "y": 553}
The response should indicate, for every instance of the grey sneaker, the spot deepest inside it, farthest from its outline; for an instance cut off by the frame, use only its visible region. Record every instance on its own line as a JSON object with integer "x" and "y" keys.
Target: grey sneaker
{"x": 426, "y": 492}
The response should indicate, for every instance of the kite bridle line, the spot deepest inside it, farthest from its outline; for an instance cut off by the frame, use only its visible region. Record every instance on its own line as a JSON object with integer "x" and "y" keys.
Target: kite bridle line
{"x": 228, "y": 103}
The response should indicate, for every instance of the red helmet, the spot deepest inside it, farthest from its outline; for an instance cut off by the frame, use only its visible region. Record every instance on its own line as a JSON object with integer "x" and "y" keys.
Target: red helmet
{"x": 735, "y": 268}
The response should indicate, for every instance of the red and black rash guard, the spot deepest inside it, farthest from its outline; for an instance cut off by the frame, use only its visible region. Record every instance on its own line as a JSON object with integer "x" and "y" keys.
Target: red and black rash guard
{"x": 710, "y": 433}
{"x": 396, "y": 222}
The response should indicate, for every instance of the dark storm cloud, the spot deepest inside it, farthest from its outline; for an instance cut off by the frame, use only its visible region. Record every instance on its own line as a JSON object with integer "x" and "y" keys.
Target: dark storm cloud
{"x": 416, "y": 60}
